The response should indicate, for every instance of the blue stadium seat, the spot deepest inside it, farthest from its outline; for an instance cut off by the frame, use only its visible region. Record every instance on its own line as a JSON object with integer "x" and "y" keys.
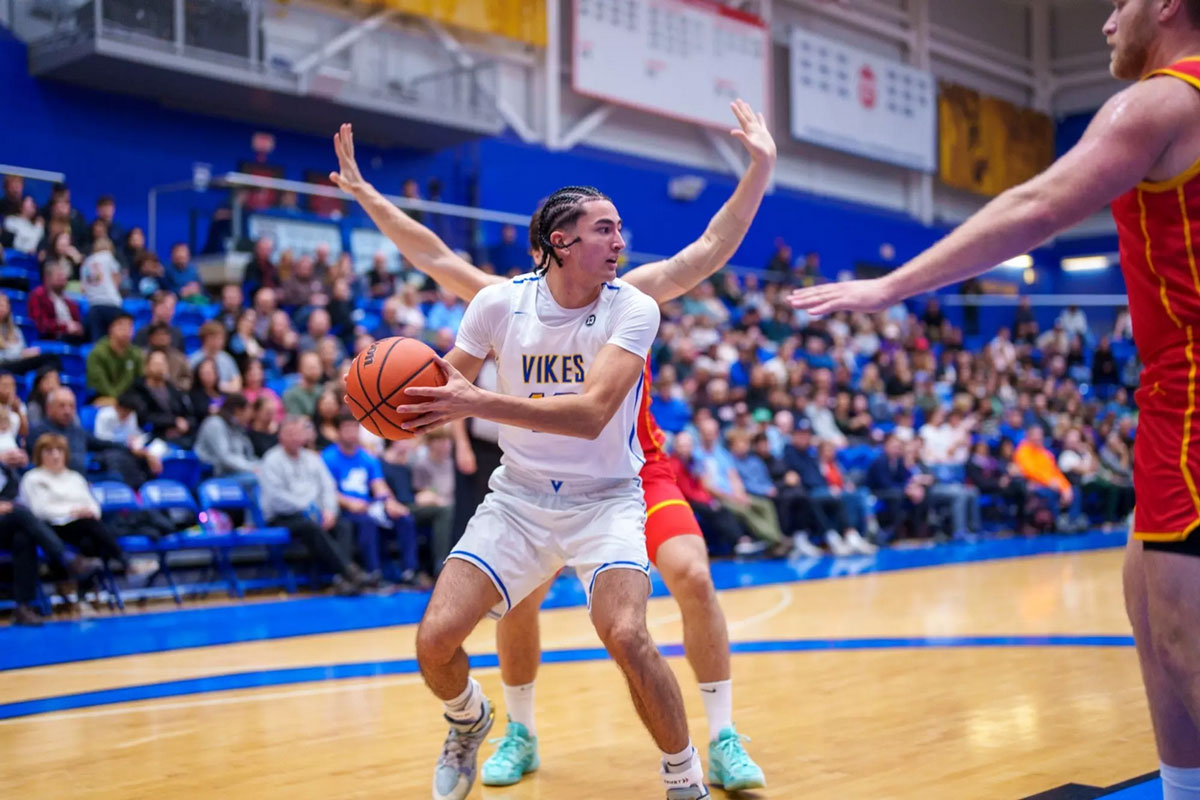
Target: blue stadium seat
{"x": 87, "y": 418}
{"x": 115, "y": 498}
{"x": 191, "y": 317}
{"x": 281, "y": 385}
{"x": 69, "y": 357}
{"x": 28, "y": 329}
{"x": 183, "y": 466}
{"x": 857, "y": 457}
{"x": 136, "y": 306}
{"x": 16, "y": 301}
{"x": 228, "y": 494}
{"x": 172, "y": 496}
{"x": 15, "y": 258}
{"x": 369, "y": 321}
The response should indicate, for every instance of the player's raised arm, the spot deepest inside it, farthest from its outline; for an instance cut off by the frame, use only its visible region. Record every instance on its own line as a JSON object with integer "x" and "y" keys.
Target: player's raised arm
{"x": 679, "y": 274}
{"x": 1120, "y": 147}
{"x": 421, "y": 246}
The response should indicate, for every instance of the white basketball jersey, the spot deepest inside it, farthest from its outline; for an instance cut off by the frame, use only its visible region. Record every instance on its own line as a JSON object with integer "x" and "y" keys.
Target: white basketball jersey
{"x": 538, "y": 359}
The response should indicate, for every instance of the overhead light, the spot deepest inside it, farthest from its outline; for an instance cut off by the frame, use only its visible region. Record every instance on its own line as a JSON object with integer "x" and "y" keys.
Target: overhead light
{"x": 1019, "y": 262}
{"x": 1085, "y": 263}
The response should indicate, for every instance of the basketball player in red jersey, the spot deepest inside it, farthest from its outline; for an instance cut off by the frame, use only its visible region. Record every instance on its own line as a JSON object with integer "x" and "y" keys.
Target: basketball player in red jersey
{"x": 673, "y": 538}
{"x": 1141, "y": 154}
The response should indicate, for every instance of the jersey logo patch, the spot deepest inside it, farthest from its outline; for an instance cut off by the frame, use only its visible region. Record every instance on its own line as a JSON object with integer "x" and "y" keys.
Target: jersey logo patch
{"x": 557, "y": 485}
{"x": 590, "y": 321}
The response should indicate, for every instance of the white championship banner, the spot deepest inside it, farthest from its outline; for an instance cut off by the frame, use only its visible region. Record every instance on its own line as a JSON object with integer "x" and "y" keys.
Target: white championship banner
{"x": 298, "y": 236}
{"x": 851, "y": 100}
{"x": 687, "y": 59}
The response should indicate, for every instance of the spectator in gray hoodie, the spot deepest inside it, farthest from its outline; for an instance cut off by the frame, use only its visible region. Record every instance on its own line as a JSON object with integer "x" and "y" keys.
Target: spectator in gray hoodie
{"x": 299, "y": 494}
{"x": 223, "y": 444}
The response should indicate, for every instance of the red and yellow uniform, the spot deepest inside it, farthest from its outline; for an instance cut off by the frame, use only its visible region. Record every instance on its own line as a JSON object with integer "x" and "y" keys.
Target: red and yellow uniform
{"x": 667, "y": 512}
{"x": 1159, "y": 228}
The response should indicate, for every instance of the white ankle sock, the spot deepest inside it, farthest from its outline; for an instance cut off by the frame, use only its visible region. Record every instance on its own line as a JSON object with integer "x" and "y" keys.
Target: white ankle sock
{"x": 1180, "y": 783}
{"x": 674, "y": 763}
{"x": 718, "y": 706}
{"x": 518, "y": 702}
{"x": 468, "y": 706}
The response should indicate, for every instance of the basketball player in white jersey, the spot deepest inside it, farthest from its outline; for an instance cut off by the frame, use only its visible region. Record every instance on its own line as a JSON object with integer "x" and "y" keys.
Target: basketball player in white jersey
{"x": 571, "y": 342}
{"x": 674, "y": 543}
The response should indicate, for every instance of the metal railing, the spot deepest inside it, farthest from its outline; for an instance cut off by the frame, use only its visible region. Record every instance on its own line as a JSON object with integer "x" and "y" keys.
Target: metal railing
{"x": 228, "y": 40}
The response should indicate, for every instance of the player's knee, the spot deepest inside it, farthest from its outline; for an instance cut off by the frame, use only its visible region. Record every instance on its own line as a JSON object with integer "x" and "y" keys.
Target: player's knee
{"x": 625, "y": 638}
{"x": 436, "y": 644}
{"x": 692, "y": 584}
{"x": 1176, "y": 646}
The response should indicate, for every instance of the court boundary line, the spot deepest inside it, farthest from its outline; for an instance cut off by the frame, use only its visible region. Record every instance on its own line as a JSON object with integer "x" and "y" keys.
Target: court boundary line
{"x": 189, "y": 628}
{"x": 286, "y": 676}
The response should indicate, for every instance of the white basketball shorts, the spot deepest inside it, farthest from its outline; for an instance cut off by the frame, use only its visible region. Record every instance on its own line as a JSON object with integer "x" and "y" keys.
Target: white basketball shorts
{"x": 528, "y": 527}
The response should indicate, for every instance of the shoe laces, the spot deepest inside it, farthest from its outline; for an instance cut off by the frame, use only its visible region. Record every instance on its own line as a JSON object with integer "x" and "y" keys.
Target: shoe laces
{"x": 459, "y": 747}
{"x": 510, "y": 751}
{"x": 732, "y": 750}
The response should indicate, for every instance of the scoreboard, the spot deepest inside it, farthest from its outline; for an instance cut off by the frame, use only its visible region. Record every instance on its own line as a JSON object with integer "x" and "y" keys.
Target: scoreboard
{"x": 686, "y": 59}
{"x": 861, "y": 103}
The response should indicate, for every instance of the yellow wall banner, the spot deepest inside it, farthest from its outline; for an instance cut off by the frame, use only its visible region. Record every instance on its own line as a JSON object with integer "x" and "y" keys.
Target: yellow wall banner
{"x": 987, "y": 145}
{"x": 523, "y": 20}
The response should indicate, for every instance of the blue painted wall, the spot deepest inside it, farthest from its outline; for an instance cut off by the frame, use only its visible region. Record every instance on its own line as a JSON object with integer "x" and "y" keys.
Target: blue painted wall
{"x": 109, "y": 143}
{"x": 516, "y": 176}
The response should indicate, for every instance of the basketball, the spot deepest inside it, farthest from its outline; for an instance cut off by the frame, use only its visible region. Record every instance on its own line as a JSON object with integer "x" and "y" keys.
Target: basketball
{"x": 377, "y": 379}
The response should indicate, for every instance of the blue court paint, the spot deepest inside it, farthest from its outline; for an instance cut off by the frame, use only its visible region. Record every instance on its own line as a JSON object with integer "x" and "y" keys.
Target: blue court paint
{"x": 61, "y": 642}
{"x": 1150, "y": 790}
{"x": 371, "y": 669}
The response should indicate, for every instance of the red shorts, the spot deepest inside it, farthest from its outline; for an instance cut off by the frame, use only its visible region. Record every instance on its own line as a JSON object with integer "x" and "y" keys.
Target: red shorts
{"x": 1166, "y": 450}
{"x": 667, "y": 512}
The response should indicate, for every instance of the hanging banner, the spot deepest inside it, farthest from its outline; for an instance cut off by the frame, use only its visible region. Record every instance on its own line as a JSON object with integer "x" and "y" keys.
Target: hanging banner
{"x": 851, "y": 100}
{"x": 523, "y": 20}
{"x": 989, "y": 145}
{"x": 687, "y": 59}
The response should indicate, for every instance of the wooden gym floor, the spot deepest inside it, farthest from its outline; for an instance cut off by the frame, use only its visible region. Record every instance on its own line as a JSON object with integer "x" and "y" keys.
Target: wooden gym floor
{"x": 987, "y": 679}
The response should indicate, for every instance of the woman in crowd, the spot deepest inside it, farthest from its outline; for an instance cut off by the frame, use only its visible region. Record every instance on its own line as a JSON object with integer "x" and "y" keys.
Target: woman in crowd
{"x": 223, "y": 444}
{"x": 254, "y": 385}
{"x": 61, "y": 498}
{"x": 325, "y": 418}
{"x": 206, "y": 396}
{"x": 27, "y": 228}
{"x": 15, "y": 355}
{"x": 243, "y": 344}
{"x": 58, "y": 248}
{"x": 45, "y": 381}
{"x": 264, "y": 424}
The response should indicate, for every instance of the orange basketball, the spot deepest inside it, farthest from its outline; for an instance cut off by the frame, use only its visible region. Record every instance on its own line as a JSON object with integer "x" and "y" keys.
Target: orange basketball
{"x": 377, "y": 379}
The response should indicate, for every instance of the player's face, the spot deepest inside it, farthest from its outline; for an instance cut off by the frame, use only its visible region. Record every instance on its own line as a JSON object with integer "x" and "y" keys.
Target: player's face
{"x": 1130, "y": 32}
{"x": 600, "y": 242}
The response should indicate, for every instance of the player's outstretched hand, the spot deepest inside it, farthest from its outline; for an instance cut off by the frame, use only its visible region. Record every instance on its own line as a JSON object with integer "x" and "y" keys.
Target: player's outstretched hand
{"x": 866, "y": 295}
{"x": 350, "y": 178}
{"x": 753, "y": 133}
{"x": 459, "y": 398}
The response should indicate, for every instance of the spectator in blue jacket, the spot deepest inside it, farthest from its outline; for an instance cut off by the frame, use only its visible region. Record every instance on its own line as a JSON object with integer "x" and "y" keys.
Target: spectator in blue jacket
{"x": 182, "y": 277}
{"x": 891, "y": 478}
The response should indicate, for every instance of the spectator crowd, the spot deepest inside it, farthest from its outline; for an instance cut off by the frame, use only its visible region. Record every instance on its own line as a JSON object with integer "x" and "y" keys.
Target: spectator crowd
{"x": 788, "y": 434}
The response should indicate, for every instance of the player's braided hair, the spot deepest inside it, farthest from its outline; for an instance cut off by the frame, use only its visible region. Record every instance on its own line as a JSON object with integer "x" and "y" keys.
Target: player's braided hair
{"x": 560, "y": 209}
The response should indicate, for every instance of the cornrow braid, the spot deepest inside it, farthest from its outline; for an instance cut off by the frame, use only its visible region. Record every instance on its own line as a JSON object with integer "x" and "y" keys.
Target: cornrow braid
{"x": 560, "y": 209}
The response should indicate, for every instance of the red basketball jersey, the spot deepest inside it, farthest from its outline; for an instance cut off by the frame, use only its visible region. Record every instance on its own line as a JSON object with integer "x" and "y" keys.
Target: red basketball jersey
{"x": 650, "y": 436}
{"x": 1156, "y": 223}
{"x": 1159, "y": 228}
